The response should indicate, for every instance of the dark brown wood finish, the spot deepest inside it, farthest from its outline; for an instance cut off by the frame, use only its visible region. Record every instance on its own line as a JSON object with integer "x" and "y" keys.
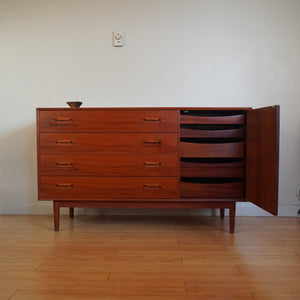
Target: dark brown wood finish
{"x": 232, "y": 149}
{"x": 82, "y": 120}
{"x": 237, "y": 119}
{"x": 142, "y": 157}
{"x": 225, "y": 169}
{"x": 262, "y": 158}
{"x": 95, "y": 188}
{"x": 135, "y": 164}
{"x": 233, "y": 190}
{"x": 108, "y": 143}
{"x": 231, "y": 133}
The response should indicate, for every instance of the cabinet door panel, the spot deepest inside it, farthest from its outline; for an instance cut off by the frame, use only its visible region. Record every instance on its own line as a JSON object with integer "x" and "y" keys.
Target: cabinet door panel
{"x": 262, "y": 158}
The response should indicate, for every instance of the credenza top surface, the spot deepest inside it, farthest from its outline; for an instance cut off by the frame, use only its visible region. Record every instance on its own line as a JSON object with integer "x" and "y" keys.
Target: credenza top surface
{"x": 140, "y": 108}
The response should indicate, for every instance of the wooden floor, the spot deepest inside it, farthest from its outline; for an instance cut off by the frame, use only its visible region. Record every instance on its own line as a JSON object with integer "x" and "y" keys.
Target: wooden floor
{"x": 162, "y": 257}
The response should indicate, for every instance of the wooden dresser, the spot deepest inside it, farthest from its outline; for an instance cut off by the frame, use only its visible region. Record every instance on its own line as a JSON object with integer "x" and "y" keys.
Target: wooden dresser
{"x": 158, "y": 158}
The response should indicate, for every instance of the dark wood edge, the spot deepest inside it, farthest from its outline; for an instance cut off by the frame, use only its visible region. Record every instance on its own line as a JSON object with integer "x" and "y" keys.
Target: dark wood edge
{"x": 137, "y": 201}
{"x": 222, "y": 203}
{"x": 38, "y": 151}
{"x": 178, "y": 153}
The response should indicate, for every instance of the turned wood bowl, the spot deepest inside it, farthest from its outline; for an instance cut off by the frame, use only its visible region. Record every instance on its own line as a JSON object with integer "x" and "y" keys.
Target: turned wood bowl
{"x": 74, "y": 104}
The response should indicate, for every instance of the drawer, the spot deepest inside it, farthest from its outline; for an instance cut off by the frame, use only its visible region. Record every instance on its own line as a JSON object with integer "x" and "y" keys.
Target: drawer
{"x": 211, "y": 132}
{"x": 214, "y": 168}
{"x": 107, "y": 121}
{"x": 108, "y": 188}
{"x": 202, "y": 119}
{"x": 139, "y": 164}
{"x": 223, "y": 149}
{"x": 109, "y": 143}
{"x": 211, "y": 189}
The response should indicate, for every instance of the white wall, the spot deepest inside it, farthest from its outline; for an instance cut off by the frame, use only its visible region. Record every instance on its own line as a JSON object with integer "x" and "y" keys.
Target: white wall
{"x": 176, "y": 53}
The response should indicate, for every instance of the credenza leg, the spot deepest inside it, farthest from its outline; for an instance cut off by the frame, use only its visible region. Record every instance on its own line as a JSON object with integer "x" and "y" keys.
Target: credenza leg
{"x": 56, "y": 215}
{"x": 232, "y": 217}
{"x": 71, "y": 212}
{"x": 222, "y": 210}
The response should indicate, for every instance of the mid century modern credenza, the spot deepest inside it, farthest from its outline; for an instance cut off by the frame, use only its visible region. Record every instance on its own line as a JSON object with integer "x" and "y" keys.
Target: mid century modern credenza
{"x": 158, "y": 157}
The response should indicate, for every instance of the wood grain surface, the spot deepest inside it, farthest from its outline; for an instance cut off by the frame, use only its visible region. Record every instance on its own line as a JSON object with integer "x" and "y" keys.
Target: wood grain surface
{"x": 149, "y": 257}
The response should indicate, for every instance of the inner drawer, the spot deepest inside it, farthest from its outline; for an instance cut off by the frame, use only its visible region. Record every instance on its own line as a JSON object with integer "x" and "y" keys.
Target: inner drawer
{"x": 224, "y": 148}
{"x": 211, "y": 188}
{"x": 212, "y": 167}
{"x": 212, "y": 131}
{"x": 212, "y": 117}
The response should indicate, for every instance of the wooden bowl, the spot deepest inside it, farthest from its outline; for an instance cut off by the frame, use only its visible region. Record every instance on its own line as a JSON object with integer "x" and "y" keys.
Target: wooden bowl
{"x": 75, "y": 104}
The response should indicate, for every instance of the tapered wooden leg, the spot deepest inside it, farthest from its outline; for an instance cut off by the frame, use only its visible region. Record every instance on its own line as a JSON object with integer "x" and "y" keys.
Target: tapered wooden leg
{"x": 71, "y": 212}
{"x": 222, "y": 210}
{"x": 232, "y": 217}
{"x": 56, "y": 215}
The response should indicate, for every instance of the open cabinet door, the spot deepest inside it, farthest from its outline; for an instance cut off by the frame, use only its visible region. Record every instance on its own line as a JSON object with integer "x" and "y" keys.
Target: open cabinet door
{"x": 262, "y": 158}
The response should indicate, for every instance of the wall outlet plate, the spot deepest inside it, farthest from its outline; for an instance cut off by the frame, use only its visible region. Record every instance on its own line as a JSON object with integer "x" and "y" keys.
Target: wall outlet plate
{"x": 118, "y": 39}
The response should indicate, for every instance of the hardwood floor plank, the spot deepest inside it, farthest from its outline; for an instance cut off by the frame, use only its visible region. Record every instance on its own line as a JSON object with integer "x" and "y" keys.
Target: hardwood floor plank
{"x": 253, "y": 259}
{"x": 152, "y": 257}
{"x": 276, "y": 297}
{"x": 7, "y": 293}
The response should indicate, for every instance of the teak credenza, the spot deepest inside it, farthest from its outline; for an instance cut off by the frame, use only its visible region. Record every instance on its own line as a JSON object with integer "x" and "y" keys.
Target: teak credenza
{"x": 158, "y": 158}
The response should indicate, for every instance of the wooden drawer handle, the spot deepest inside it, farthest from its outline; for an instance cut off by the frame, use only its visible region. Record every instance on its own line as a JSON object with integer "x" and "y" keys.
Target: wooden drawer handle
{"x": 152, "y": 164}
{"x": 64, "y": 186}
{"x": 63, "y": 120}
{"x": 64, "y": 142}
{"x": 152, "y": 120}
{"x": 152, "y": 142}
{"x": 64, "y": 164}
{"x": 152, "y": 186}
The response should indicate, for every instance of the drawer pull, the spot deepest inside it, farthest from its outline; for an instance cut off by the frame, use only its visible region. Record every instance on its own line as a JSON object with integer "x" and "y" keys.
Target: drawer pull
{"x": 64, "y": 142}
{"x": 63, "y": 120}
{"x": 64, "y": 186}
{"x": 152, "y": 164}
{"x": 152, "y": 142}
{"x": 152, "y": 186}
{"x": 64, "y": 164}
{"x": 152, "y": 120}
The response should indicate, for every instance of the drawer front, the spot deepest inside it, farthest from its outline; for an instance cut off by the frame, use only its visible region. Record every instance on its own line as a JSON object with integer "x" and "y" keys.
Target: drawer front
{"x": 107, "y": 121}
{"x": 216, "y": 169}
{"x": 202, "y": 133}
{"x": 109, "y": 143}
{"x": 190, "y": 119}
{"x": 232, "y": 149}
{"x": 212, "y": 190}
{"x": 97, "y": 188}
{"x": 159, "y": 164}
